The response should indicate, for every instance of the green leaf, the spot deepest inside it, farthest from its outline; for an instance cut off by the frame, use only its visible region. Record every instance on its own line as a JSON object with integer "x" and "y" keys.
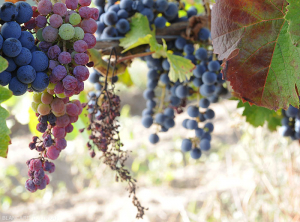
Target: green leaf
{"x": 5, "y": 94}
{"x": 3, "y": 64}
{"x": 257, "y": 116}
{"x": 139, "y": 33}
{"x": 292, "y": 16}
{"x": 125, "y": 78}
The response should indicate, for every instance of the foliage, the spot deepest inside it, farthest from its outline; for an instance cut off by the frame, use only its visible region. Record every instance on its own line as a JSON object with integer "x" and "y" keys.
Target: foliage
{"x": 260, "y": 60}
{"x": 5, "y": 94}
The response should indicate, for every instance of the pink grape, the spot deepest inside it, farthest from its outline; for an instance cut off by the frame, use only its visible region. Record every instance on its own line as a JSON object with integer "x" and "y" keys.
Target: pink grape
{"x": 66, "y": 100}
{"x": 80, "y": 46}
{"x": 69, "y": 128}
{"x": 35, "y": 164}
{"x": 30, "y": 24}
{"x": 53, "y": 152}
{"x": 39, "y": 174}
{"x": 46, "y": 178}
{"x": 50, "y": 34}
{"x": 81, "y": 73}
{"x": 53, "y": 79}
{"x": 58, "y": 114}
{"x": 44, "y": 7}
{"x": 42, "y": 185}
{"x": 64, "y": 58}
{"x": 57, "y": 105}
{"x": 53, "y": 52}
{"x": 50, "y": 91}
{"x": 95, "y": 13}
{"x": 40, "y": 21}
{"x": 49, "y": 166}
{"x": 35, "y": 11}
{"x": 43, "y": 109}
{"x": 63, "y": 121}
{"x": 72, "y": 109}
{"x": 69, "y": 93}
{"x": 58, "y": 132}
{"x": 90, "y": 40}
{"x": 77, "y": 102}
{"x": 85, "y": 12}
{"x": 60, "y": 9}
{"x": 73, "y": 119}
{"x": 72, "y": 4}
{"x": 59, "y": 88}
{"x": 46, "y": 98}
{"x": 81, "y": 59}
{"x": 69, "y": 13}
{"x": 53, "y": 64}
{"x": 70, "y": 82}
{"x": 56, "y": 21}
{"x": 60, "y": 143}
{"x": 89, "y": 25}
{"x": 30, "y": 186}
{"x": 84, "y": 2}
{"x": 59, "y": 72}
{"x": 80, "y": 87}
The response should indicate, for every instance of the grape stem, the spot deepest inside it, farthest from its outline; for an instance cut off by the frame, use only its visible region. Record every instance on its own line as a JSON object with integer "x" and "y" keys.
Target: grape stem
{"x": 162, "y": 99}
{"x": 134, "y": 56}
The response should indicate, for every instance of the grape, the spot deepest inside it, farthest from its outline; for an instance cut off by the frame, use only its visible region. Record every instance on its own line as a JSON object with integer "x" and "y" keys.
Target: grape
{"x": 53, "y": 152}
{"x": 122, "y": 26}
{"x": 148, "y": 94}
{"x": 209, "y": 114}
{"x": 193, "y": 111}
{"x": 73, "y": 119}
{"x": 168, "y": 123}
{"x": 60, "y": 9}
{"x": 18, "y": 88}
{"x": 164, "y": 78}
{"x": 39, "y": 35}
{"x": 181, "y": 91}
{"x": 169, "y": 112}
{"x": 160, "y": 22}
{"x": 153, "y": 138}
{"x": 180, "y": 43}
{"x": 72, "y": 109}
{"x": 60, "y": 143}
{"x": 152, "y": 74}
{"x": 126, "y": 5}
{"x": 62, "y": 121}
{"x": 26, "y": 39}
{"x": 148, "y": 3}
{"x": 286, "y": 131}
{"x": 161, "y": 5}
{"x": 149, "y": 13}
{"x": 166, "y": 65}
{"x": 171, "y": 11}
{"x": 186, "y": 145}
{"x": 199, "y": 132}
{"x": 66, "y": 31}
{"x": 11, "y": 47}
{"x": 48, "y": 141}
{"x": 46, "y": 178}
{"x": 41, "y": 127}
{"x": 192, "y": 124}
{"x": 72, "y": 4}
{"x": 207, "y": 90}
{"x": 84, "y": 12}
{"x": 192, "y": 11}
{"x": 197, "y": 82}
{"x": 90, "y": 40}
{"x": 24, "y": 12}
{"x": 122, "y": 14}
{"x": 110, "y": 18}
{"x": 30, "y": 186}
{"x": 75, "y": 19}
{"x": 35, "y": 164}
{"x": 5, "y": 78}
{"x": 175, "y": 101}
{"x": 191, "y": 57}
{"x": 81, "y": 58}
{"x": 37, "y": 97}
{"x": 58, "y": 132}
{"x": 56, "y": 21}
{"x": 11, "y": 30}
{"x": 209, "y": 127}
{"x": 41, "y": 81}
{"x": 291, "y": 111}
{"x": 159, "y": 118}
{"x": 43, "y": 109}
{"x": 89, "y": 25}
{"x": 50, "y": 34}
{"x": 69, "y": 128}
{"x": 41, "y": 21}
{"x": 199, "y": 70}
{"x": 58, "y": 105}
{"x": 26, "y": 74}
{"x": 189, "y": 49}
{"x": 8, "y": 12}
{"x": 59, "y": 72}
{"x": 43, "y": 119}
{"x": 196, "y": 153}
{"x": 147, "y": 112}
{"x": 44, "y": 7}
{"x": 147, "y": 121}
{"x": 201, "y": 54}
{"x": 81, "y": 73}
{"x": 1, "y": 41}
{"x": 204, "y": 103}
{"x": 137, "y": 5}
{"x": 30, "y": 24}
{"x": 203, "y": 34}
{"x": 209, "y": 78}
{"x": 24, "y": 58}
{"x": 70, "y": 82}
{"x": 151, "y": 104}
{"x": 95, "y": 13}
{"x": 151, "y": 84}
{"x": 80, "y": 46}
{"x": 64, "y": 58}
{"x": 213, "y": 66}
{"x": 79, "y": 33}
{"x": 46, "y": 98}
{"x": 39, "y": 61}
{"x": 53, "y": 52}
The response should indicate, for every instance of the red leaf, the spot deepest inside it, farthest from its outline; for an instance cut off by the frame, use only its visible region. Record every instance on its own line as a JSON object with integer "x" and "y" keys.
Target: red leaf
{"x": 245, "y": 34}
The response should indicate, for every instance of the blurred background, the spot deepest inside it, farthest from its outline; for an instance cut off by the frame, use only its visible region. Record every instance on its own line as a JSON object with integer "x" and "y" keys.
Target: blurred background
{"x": 250, "y": 174}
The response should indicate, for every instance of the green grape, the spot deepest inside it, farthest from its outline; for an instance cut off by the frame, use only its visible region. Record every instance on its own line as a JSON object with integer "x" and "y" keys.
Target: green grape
{"x": 34, "y": 106}
{"x": 39, "y": 35}
{"x": 66, "y": 31}
{"x": 51, "y": 86}
{"x": 79, "y": 33}
{"x": 61, "y": 95}
{"x": 73, "y": 54}
{"x": 75, "y": 19}
{"x": 37, "y": 97}
{"x": 43, "y": 109}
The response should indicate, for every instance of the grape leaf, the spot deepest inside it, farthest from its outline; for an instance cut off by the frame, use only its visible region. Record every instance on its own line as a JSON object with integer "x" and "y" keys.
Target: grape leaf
{"x": 180, "y": 68}
{"x": 257, "y": 116}
{"x": 292, "y": 16}
{"x": 125, "y": 78}
{"x": 5, "y": 94}
{"x": 3, "y": 64}
{"x": 260, "y": 60}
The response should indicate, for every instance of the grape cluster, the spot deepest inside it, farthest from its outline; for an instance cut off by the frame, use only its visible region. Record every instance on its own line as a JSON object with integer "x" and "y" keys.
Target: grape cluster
{"x": 290, "y": 123}
{"x": 165, "y": 98}
{"x": 114, "y": 15}
{"x": 27, "y": 67}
